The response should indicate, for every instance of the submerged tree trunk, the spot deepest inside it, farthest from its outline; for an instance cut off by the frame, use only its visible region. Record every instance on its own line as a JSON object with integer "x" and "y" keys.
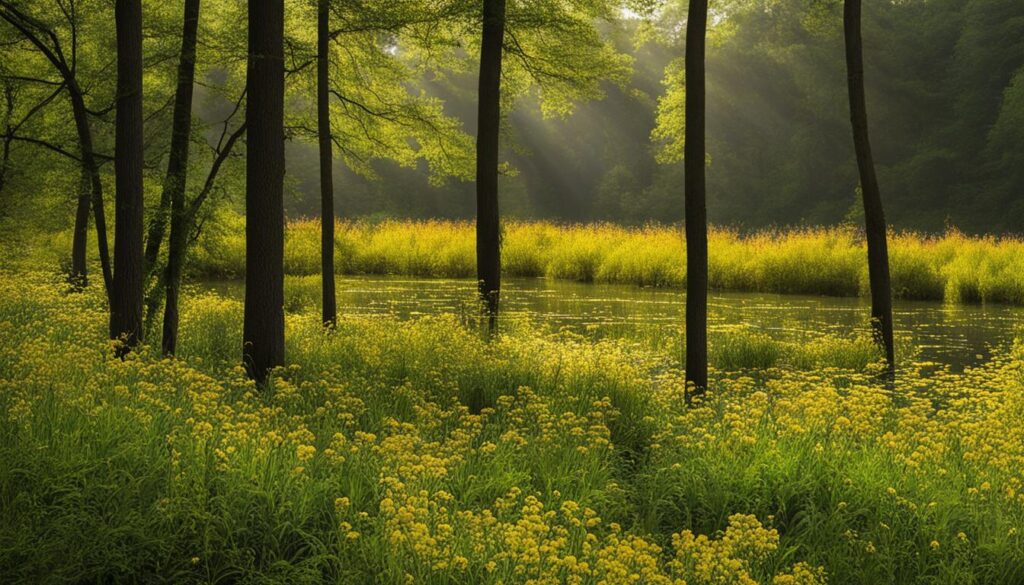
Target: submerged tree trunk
{"x": 174, "y": 182}
{"x": 126, "y": 297}
{"x": 874, "y": 217}
{"x": 696, "y": 210}
{"x": 488, "y": 227}
{"x": 323, "y": 118}
{"x": 263, "y": 335}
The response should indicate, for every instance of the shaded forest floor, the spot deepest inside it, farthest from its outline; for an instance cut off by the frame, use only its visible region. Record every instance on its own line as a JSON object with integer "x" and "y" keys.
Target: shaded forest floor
{"x": 413, "y": 452}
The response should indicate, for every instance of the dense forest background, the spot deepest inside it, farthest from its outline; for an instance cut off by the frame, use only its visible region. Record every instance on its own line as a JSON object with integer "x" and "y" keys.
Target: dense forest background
{"x": 945, "y": 83}
{"x": 946, "y": 99}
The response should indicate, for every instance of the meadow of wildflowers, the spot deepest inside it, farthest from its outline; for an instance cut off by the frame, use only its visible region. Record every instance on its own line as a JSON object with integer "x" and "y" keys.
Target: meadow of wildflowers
{"x": 393, "y": 451}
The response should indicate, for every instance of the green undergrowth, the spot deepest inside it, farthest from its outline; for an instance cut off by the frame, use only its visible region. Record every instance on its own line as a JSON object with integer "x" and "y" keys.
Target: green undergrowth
{"x": 415, "y": 451}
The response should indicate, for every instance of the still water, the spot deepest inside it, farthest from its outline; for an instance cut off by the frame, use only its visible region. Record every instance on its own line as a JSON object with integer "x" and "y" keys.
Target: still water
{"x": 957, "y": 335}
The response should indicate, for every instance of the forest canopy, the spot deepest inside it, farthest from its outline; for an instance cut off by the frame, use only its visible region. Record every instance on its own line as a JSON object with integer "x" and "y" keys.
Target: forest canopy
{"x": 581, "y": 139}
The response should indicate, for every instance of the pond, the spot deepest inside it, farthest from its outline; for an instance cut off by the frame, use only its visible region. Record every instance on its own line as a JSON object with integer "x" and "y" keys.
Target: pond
{"x": 958, "y": 335}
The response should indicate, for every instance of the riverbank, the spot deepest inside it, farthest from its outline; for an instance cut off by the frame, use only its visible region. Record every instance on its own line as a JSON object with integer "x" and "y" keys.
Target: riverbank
{"x": 952, "y": 268}
{"x": 826, "y": 261}
{"x": 411, "y": 451}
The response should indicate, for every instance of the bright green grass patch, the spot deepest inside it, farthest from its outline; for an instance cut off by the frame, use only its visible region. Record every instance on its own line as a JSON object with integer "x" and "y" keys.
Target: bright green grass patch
{"x": 414, "y": 452}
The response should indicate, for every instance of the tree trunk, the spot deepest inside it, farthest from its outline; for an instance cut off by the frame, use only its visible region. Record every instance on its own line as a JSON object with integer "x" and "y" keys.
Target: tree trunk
{"x": 488, "y": 228}
{"x": 181, "y": 231}
{"x": 174, "y": 182}
{"x": 90, "y": 167}
{"x": 263, "y": 336}
{"x": 126, "y": 297}
{"x": 695, "y": 207}
{"x": 181, "y": 131}
{"x": 5, "y": 156}
{"x": 79, "y": 277}
{"x": 323, "y": 116}
{"x": 182, "y": 225}
{"x": 874, "y": 217}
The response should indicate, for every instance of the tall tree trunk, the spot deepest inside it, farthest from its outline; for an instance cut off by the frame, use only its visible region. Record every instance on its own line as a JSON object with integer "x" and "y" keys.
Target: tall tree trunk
{"x": 5, "y": 155}
{"x": 91, "y": 167}
{"x": 181, "y": 130}
{"x": 874, "y": 217}
{"x": 696, "y": 210}
{"x": 126, "y": 297}
{"x": 79, "y": 277}
{"x": 174, "y": 182}
{"x": 182, "y": 225}
{"x": 263, "y": 336}
{"x": 323, "y": 118}
{"x": 488, "y": 227}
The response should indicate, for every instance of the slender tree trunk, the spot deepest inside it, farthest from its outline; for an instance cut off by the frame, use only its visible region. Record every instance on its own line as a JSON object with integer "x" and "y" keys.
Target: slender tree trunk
{"x": 323, "y": 116}
{"x": 182, "y": 225}
{"x": 126, "y": 297}
{"x": 79, "y": 277}
{"x": 696, "y": 210}
{"x": 488, "y": 226}
{"x": 5, "y": 155}
{"x": 874, "y": 217}
{"x": 263, "y": 336}
{"x": 181, "y": 130}
{"x": 174, "y": 182}
{"x": 172, "y": 282}
{"x": 90, "y": 167}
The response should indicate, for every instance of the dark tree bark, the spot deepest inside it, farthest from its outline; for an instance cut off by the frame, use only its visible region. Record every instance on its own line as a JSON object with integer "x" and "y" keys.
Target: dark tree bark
{"x": 174, "y": 182}
{"x": 126, "y": 294}
{"x": 35, "y": 32}
{"x": 695, "y": 207}
{"x": 181, "y": 131}
{"x": 91, "y": 167}
{"x": 79, "y": 273}
{"x": 182, "y": 227}
{"x": 488, "y": 226}
{"x": 323, "y": 119}
{"x": 5, "y": 151}
{"x": 263, "y": 336}
{"x": 874, "y": 217}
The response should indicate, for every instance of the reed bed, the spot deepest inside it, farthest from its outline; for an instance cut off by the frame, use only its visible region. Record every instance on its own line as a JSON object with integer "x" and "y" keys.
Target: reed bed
{"x": 953, "y": 267}
{"x": 815, "y": 261}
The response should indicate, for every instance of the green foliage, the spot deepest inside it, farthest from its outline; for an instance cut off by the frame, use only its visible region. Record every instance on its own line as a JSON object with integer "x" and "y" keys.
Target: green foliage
{"x": 672, "y": 115}
{"x": 394, "y": 450}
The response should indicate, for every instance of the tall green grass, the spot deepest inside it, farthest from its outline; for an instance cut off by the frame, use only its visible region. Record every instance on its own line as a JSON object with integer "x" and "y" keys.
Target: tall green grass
{"x": 816, "y": 261}
{"x": 824, "y": 261}
{"x": 414, "y": 451}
